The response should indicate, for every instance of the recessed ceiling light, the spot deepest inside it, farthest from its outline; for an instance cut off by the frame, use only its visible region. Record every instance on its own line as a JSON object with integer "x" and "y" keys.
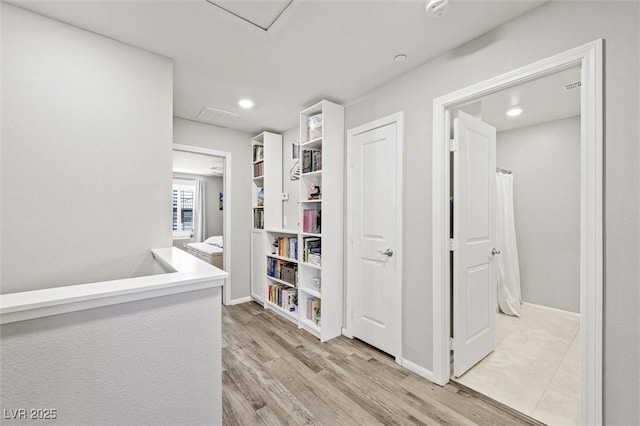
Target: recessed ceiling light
{"x": 514, "y": 112}
{"x": 400, "y": 58}
{"x": 245, "y": 103}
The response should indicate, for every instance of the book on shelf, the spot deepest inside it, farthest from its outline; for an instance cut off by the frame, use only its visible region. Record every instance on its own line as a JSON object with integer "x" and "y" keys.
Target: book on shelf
{"x": 258, "y": 152}
{"x": 313, "y": 310}
{"x": 311, "y": 250}
{"x": 258, "y": 218}
{"x": 311, "y": 160}
{"x": 258, "y": 170}
{"x": 283, "y": 270}
{"x": 287, "y": 247}
{"x": 283, "y": 296}
{"x": 311, "y": 221}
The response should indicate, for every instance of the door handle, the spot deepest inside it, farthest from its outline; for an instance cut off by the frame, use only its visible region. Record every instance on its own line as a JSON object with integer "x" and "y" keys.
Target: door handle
{"x": 388, "y": 252}
{"x": 494, "y": 252}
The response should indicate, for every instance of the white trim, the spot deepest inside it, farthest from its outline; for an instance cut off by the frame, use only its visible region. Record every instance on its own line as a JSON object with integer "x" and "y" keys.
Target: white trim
{"x": 240, "y": 300}
{"x": 572, "y": 315}
{"x": 187, "y": 273}
{"x": 420, "y": 371}
{"x": 589, "y": 56}
{"x": 227, "y": 207}
{"x": 397, "y": 118}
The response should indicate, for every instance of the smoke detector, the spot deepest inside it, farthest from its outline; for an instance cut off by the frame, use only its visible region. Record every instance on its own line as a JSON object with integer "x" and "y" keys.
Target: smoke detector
{"x": 437, "y": 8}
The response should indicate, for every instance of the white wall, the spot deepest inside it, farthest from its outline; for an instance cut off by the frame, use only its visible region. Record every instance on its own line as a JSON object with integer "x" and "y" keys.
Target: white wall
{"x": 545, "y": 162}
{"x": 186, "y": 132}
{"x": 86, "y": 154}
{"x": 143, "y": 362}
{"x": 86, "y": 164}
{"x": 548, "y": 30}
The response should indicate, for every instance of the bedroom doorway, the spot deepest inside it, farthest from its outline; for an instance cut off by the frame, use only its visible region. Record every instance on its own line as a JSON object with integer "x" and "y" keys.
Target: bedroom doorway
{"x": 201, "y": 206}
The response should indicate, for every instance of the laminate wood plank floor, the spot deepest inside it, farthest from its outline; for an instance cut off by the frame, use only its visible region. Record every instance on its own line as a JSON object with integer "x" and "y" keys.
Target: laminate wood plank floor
{"x": 275, "y": 374}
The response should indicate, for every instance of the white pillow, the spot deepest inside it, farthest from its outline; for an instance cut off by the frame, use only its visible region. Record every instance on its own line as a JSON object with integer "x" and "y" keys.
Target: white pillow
{"x": 215, "y": 241}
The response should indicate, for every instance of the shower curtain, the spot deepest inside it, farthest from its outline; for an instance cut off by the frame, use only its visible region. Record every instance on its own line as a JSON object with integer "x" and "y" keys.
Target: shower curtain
{"x": 199, "y": 213}
{"x": 508, "y": 268}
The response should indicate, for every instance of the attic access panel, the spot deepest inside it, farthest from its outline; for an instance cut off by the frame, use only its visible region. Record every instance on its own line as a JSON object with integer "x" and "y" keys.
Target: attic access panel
{"x": 262, "y": 14}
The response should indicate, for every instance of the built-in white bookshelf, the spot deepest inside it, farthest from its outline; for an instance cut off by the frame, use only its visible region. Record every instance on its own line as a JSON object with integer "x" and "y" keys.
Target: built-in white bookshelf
{"x": 321, "y": 238}
{"x": 281, "y": 273}
{"x": 266, "y": 202}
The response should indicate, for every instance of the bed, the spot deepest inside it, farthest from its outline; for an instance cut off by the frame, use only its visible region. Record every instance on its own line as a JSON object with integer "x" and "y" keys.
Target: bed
{"x": 210, "y": 250}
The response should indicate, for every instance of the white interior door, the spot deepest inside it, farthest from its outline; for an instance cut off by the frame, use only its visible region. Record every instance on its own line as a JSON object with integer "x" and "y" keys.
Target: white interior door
{"x": 373, "y": 284}
{"x": 474, "y": 284}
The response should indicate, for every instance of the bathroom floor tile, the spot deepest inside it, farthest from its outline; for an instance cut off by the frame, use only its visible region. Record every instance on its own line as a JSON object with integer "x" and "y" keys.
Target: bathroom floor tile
{"x": 534, "y": 367}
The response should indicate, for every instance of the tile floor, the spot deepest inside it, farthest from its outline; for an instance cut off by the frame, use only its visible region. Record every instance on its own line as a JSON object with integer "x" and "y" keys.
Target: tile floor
{"x": 535, "y": 366}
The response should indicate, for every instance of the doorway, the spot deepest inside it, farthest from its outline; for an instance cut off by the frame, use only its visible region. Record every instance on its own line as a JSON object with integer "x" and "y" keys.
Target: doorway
{"x": 205, "y": 176}
{"x": 374, "y": 234}
{"x": 522, "y": 347}
{"x": 589, "y": 58}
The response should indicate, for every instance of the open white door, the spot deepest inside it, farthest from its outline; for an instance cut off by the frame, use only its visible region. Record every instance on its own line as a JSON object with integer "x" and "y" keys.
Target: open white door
{"x": 372, "y": 268}
{"x": 474, "y": 284}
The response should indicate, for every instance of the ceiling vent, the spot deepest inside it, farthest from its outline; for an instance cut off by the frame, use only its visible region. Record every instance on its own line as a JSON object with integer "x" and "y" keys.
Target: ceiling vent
{"x": 218, "y": 117}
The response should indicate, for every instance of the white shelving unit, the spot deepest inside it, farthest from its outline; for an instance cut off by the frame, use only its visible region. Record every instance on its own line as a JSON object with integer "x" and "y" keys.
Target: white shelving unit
{"x": 266, "y": 160}
{"x": 327, "y": 173}
{"x": 281, "y": 272}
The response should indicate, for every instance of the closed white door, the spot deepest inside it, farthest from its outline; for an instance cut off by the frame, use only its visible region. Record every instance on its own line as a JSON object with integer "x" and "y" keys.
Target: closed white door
{"x": 372, "y": 200}
{"x": 474, "y": 284}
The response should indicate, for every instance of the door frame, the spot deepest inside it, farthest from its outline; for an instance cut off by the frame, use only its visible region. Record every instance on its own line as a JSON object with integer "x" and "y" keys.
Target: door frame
{"x": 226, "y": 213}
{"x": 398, "y": 119}
{"x": 590, "y": 57}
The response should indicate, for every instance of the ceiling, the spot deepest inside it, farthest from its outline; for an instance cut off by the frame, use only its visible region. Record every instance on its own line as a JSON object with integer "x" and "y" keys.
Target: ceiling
{"x": 197, "y": 164}
{"x": 542, "y": 100}
{"x": 337, "y": 50}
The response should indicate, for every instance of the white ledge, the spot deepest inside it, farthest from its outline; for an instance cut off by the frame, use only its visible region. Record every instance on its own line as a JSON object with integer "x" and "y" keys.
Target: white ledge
{"x": 186, "y": 273}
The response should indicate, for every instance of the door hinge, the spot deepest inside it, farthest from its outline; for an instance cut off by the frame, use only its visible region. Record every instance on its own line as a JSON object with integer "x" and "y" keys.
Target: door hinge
{"x": 453, "y": 244}
{"x": 453, "y": 145}
{"x": 451, "y": 345}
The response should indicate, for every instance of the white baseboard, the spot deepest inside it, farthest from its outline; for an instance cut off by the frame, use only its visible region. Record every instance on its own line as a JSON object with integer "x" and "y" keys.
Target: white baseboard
{"x": 241, "y": 300}
{"x": 420, "y": 371}
{"x": 573, "y": 315}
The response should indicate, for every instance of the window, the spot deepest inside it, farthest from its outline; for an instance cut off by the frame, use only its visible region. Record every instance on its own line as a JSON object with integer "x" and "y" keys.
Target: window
{"x": 182, "y": 196}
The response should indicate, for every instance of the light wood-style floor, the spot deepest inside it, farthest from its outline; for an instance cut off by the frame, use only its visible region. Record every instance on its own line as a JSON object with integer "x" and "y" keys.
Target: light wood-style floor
{"x": 275, "y": 374}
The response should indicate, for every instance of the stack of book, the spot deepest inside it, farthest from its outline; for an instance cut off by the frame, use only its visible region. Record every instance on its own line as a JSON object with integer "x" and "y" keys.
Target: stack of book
{"x": 311, "y": 221}
{"x": 283, "y": 296}
{"x": 258, "y": 169}
{"x": 287, "y": 247}
{"x": 258, "y": 219}
{"x": 311, "y": 160}
{"x": 311, "y": 250}
{"x": 313, "y": 310}
{"x": 285, "y": 271}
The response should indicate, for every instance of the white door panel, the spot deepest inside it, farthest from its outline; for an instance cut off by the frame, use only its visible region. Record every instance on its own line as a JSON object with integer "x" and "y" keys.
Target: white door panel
{"x": 474, "y": 286}
{"x": 373, "y": 209}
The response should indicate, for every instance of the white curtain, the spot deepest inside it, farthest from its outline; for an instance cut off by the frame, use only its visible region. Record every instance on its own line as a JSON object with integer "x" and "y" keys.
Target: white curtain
{"x": 199, "y": 213}
{"x": 508, "y": 270}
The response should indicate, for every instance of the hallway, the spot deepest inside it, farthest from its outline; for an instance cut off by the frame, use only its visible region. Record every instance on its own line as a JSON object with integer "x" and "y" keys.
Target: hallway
{"x": 274, "y": 373}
